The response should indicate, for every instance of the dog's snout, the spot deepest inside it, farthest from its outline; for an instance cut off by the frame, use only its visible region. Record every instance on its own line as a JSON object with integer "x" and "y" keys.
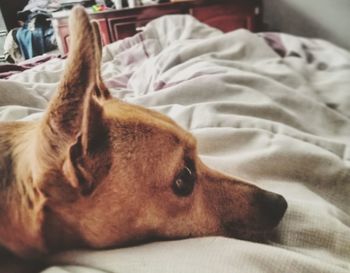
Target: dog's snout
{"x": 273, "y": 206}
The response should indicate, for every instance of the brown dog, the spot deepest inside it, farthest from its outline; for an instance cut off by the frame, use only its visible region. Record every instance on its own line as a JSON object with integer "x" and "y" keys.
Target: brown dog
{"x": 97, "y": 172}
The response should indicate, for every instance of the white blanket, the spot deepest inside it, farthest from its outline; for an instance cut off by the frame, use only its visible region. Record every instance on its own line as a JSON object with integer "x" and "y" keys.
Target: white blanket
{"x": 282, "y": 123}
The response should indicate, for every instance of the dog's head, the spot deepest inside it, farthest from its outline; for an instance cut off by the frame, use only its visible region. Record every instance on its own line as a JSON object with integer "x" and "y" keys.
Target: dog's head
{"x": 115, "y": 174}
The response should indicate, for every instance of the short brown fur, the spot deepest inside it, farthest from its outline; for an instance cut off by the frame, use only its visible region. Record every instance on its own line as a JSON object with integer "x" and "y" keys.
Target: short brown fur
{"x": 96, "y": 172}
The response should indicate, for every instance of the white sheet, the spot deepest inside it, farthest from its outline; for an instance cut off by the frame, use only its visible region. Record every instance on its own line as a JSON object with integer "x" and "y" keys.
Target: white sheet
{"x": 255, "y": 115}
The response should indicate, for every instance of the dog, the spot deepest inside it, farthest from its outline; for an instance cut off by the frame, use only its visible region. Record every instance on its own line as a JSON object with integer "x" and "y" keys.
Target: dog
{"x": 96, "y": 172}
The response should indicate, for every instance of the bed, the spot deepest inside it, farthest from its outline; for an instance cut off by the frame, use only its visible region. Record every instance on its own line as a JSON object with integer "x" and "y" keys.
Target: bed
{"x": 271, "y": 108}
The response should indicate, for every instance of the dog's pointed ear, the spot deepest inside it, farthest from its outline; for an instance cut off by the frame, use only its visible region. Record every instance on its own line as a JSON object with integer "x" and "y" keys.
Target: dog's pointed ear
{"x": 80, "y": 77}
{"x": 81, "y": 168}
{"x": 74, "y": 121}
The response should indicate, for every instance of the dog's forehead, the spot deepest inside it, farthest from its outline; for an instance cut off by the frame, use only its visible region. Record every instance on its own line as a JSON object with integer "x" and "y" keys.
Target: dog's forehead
{"x": 129, "y": 113}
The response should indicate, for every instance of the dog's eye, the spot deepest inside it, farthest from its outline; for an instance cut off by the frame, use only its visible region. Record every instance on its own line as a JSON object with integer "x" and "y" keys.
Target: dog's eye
{"x": 184, "y": 183}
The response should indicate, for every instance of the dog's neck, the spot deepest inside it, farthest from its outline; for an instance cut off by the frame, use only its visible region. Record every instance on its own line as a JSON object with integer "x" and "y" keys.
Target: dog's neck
{"x": 20, "y": 208}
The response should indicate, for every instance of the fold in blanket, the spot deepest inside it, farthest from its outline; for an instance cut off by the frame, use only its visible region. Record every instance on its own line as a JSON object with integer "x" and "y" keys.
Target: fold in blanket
{"x": 280, "y": 121}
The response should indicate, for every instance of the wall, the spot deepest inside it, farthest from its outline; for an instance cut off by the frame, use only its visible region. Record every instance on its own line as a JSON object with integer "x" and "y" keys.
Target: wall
{"x": 327, "y": 19}
{"x": 2, "y": 38}
{"x": 9, "y": 10}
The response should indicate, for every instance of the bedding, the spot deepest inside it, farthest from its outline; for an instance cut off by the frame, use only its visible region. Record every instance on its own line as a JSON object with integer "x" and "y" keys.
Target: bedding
{"x": 271, "y": 108}
{"x": 7, "y": 69}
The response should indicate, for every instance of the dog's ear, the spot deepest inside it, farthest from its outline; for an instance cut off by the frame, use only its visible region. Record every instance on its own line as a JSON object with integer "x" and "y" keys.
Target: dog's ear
{"x": 74, "y": 120}
{"x": 82, "y": 168}
{"x": 81, "y": 76}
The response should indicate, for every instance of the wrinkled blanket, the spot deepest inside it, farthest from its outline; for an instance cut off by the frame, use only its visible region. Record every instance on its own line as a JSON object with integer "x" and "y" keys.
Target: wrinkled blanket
{"x": 273, "y": 109}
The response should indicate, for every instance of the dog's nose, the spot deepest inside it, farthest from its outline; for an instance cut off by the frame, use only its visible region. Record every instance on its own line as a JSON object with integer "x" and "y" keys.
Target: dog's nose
{"x": 273, "y": 206}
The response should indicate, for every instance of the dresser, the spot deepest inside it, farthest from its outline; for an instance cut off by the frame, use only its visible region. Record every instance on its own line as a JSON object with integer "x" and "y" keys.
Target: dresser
{"x": 118, "y": 24}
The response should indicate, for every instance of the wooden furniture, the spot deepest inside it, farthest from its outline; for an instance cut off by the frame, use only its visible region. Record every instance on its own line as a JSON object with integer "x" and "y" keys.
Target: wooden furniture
{"x": 118, "y": 24}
